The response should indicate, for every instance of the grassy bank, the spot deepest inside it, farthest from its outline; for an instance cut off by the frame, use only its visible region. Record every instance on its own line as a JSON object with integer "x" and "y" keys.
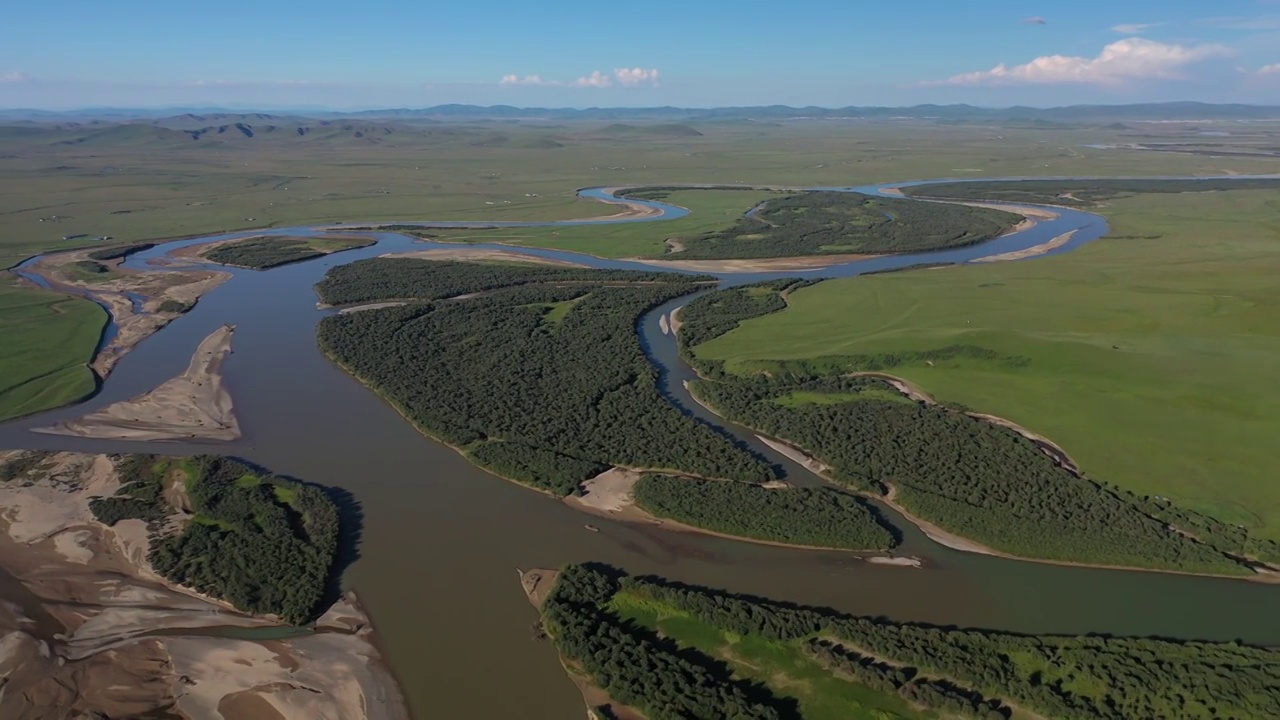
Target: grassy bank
{"x": 49, "y": 339}
{"x": 1149, "y": 356}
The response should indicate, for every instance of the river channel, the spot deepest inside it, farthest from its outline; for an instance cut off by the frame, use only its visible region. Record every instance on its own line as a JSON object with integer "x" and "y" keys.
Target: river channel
{"x": 441, "y": 540}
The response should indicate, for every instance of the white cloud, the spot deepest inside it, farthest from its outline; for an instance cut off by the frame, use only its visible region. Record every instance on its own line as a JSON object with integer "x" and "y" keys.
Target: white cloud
{"x": 1134, "y": 28}
{"x": 1273, "y": 69}
{"x": 1129, "y": 59}
{"x": 13, "y": 77}
{"x": 526, "y": 80}
{"x": 631, "y": 77}
{"x": 626, "y": 77}
{"x": 596, "y": 79}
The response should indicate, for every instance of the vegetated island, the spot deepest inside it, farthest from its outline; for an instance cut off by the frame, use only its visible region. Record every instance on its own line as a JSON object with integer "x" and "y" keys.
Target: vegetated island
{"x": 536, "y": 374}
{"x": 1079, "y": 193}
{"x": 842, "y": 223}
{"x": 969, "y": 482}
{"x": 193, "y": 405}
{"x": 264, "y": 252}
{"x": 125, "y": 578}
{"x": 647, "y": 647}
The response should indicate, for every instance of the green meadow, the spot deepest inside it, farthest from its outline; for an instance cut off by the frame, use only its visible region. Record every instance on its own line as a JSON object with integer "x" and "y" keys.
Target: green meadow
{"x": 49, "y": 339}
{"x": 1151, "y": 355}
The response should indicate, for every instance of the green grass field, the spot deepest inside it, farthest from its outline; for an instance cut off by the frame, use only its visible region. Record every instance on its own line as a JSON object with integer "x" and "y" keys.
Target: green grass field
{"x": 1154, "y": 353}
{"x": 780, "y": 665}
{"x": 67, "y": 187}
{"x": 48, "y": 340}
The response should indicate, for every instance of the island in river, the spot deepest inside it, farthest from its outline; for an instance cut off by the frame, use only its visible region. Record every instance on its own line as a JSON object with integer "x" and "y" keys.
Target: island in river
{"x": 94, "y": 624}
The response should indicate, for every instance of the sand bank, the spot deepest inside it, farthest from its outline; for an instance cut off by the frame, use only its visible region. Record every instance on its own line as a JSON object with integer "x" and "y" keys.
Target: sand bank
{"x": 799, "y": 263}
{"x": 474, "y": 253}
{"x": 87, "y": 629}
{"x": 193, "y": 405}
{"x": 1033, "y": 251}
{"x": 160, "y": 295}
{"x": 630, "y": 209}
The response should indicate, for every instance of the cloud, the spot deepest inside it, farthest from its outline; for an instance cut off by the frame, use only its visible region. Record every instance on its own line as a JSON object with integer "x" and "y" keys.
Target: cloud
{"x": 596, "y": 79}
{"x": 631, "y": 77}
{"x": 1272, "y": 69}
{"x": 13, "y": 77}
{"x": 1129, "y": 59}
{"x": 1134, "y": 28}
{"x": 626, "y": 77}
{"x": 1035, "y": 21}
{"x": 526, "y": 80}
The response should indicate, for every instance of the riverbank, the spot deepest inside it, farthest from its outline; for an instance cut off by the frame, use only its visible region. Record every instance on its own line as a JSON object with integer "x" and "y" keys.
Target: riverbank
{"x": 90, "y": 628}
{"x": 195, "y": 404}
{"x": 801, "y": 263}
{"x": 474, "y": 254}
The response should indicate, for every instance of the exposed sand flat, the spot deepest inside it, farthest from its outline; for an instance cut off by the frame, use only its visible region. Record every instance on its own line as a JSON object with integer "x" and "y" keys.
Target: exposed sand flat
{"x": 134, "y": 323}
{"x": 473, "y": 253}
{"x": 610, "y": 491}
{"x": 631, "y": 209}
{"x": 1040, "y": 249}
{"x": 811, "y": 464}
{"x": 193, "y": 405}
{"x": 83, "y": 650}
{"x": 664, "y": 325}
{"x": 675, "y": 321}
{"x": 804, "y": 262}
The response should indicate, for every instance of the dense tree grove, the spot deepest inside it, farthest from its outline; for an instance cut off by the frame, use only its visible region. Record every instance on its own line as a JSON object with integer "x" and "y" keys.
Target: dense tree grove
{"x": 553, "y": 367}
{"x": 263, "y": 543}
{"x": 120, "y": 251}
{"x": 22, "y": 464}
{"x": 1055, "y": 676}
{"x": 262, "y": 253}
{"x": 814, "y": 223}
{"x": 636, "y": 667}
{"x": 1079, "y": 192}
{"x": 822, "y": 517}
{"x": 379, "y": 279}
{"x": 539, "y": 467}
{"x": 714, "y": 314}
{"x": 966, "y": 475}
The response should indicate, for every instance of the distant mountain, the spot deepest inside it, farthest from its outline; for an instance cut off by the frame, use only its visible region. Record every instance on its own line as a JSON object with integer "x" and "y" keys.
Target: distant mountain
{"x": 194, "y": 118}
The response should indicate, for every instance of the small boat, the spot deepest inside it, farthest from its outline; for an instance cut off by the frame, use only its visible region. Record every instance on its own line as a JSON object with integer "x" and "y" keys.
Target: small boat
{"x": 592, "y": 528}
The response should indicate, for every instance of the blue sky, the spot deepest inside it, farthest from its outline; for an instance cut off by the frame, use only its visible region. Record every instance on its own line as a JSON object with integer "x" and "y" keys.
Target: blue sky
{"x": 75, "y": 53}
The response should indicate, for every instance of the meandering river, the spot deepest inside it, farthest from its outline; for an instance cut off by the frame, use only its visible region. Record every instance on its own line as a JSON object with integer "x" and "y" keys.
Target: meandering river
{"x": 441, "y": 539}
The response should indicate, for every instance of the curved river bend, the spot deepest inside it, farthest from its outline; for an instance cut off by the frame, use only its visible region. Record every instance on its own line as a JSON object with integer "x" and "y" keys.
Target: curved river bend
{"x": 441, "y": 539}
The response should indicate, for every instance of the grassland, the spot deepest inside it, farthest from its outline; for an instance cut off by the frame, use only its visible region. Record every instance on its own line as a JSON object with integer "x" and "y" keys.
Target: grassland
{"x": 1151, "y": 355}
{"x": 49, "y": 339}
{"x": 69, "y": 185}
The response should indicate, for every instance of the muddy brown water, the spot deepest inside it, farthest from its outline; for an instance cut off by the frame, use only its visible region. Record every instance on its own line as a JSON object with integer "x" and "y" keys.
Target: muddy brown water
{"x": 441, "y": 540}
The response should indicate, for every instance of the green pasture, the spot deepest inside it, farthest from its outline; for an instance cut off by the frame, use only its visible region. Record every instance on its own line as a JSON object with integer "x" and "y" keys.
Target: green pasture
{"x": 49, "y": 338}
{"x": 1153, "y": 355}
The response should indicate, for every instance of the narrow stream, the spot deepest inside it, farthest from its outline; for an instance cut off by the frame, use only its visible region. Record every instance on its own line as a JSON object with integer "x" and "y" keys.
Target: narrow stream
{"x": 441, "y": 539}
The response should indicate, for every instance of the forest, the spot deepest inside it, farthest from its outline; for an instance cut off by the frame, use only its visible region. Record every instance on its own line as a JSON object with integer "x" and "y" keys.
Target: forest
{"x": 709, "y": 316}
{"x": 978, "y": 673}
{"x": 1079, "y": 193}
{"x": 814, "y": 223}
{"x": 635, "y": 666}
{"x": 263, "y": 543}
{"x": 263, "y": 253}
{"x": 817, "y": 517}
{"x": 378, "y": 279}
{"x": 971, "y": 477}
{"x": 543, "y": 381}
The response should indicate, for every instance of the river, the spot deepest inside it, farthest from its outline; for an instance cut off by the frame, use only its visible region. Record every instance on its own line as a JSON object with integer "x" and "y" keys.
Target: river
{"x": 440, "y": 540}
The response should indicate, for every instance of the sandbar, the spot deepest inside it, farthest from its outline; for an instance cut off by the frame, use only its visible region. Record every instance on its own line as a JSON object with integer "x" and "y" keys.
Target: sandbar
{"x": 193, "y": 405}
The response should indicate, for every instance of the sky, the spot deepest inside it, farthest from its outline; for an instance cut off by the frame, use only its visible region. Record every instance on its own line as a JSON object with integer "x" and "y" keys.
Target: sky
{"x": 337, "y": 54}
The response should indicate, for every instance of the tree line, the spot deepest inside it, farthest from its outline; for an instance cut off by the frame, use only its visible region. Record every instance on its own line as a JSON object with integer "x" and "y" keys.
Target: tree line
{"x": 549, "y": 366}
{"x": 263, "y": 253}
{"x": 378, "y": 279}
{"x": 822, "y": 517}
{"x": 1090, "y": 677}
{"x": 1082, "y": 192}
{"x": 265, "y": 544}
